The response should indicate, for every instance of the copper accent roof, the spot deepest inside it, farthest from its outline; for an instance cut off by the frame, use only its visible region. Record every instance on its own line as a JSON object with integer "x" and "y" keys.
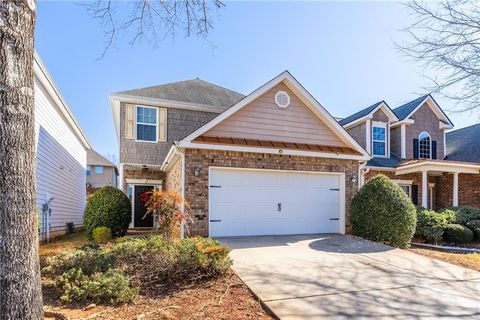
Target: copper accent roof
{"x": 275, "y": 145}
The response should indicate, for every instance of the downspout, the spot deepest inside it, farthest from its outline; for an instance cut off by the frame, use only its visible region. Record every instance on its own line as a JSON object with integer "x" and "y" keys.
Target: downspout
{"x": 361, "y": 173}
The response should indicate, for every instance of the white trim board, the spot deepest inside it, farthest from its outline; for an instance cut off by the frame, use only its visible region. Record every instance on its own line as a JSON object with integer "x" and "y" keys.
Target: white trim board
{"x": 301, "y": 93}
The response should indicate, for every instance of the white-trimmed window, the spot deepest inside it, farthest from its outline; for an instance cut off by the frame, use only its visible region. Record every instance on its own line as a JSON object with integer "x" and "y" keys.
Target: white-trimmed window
{"x": 98, "y": 170}
{"x": 407, "y": 189}
{"x": 379, "y": 139}
{"x": 146, "y": 126}
{"x": 424, "y": 146}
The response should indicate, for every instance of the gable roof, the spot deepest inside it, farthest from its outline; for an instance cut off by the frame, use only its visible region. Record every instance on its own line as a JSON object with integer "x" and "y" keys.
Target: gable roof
{"x": 194, "y": 91}
{"x": 96, "y": 159}
{"x": 406, "y": 110}
{"x": 302, "y": 94}
{"x": 364, "y": 113}
{"x": 462, "y": 144}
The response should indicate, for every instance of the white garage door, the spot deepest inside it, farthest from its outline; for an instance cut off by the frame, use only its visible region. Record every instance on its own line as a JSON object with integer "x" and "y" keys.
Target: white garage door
{"x": 263, "y": 202}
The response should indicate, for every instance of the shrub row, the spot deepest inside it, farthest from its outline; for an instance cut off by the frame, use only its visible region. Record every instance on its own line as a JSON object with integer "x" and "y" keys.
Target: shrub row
{"x": 116, "y": 273}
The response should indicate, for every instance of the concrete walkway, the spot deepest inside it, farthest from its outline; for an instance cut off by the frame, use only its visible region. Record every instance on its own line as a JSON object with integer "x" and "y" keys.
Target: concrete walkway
{"x": 344, "y": 277}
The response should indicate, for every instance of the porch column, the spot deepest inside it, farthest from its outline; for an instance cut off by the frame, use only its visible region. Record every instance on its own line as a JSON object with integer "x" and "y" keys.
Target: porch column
{"x": 120, "y": 184}
{"x": 455, "y": 189}
{"x": 424, "y": 189}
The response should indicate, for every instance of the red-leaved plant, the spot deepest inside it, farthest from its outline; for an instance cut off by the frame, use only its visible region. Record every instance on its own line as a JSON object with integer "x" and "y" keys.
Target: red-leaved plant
{"x": 170, "y": 210}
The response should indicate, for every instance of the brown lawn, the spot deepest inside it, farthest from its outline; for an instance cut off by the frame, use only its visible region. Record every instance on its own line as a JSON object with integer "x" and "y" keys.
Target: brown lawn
{"x": 468, "y": 260}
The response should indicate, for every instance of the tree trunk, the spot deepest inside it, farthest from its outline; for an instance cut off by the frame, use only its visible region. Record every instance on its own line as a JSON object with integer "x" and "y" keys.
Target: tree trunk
{"x": 20, "y": 288}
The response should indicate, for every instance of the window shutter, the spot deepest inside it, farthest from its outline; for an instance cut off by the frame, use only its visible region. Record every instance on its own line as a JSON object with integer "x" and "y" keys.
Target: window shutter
{"x": 415, "y": 194}
{"x": 434, "y": 149}
{"x": 129, "y": 121}
{"x": 162, "y": 124}
{"x": 415, "y": 148}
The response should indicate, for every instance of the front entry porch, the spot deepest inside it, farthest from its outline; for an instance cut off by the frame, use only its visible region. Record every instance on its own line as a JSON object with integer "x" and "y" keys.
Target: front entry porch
{"x": 437, "y": 170}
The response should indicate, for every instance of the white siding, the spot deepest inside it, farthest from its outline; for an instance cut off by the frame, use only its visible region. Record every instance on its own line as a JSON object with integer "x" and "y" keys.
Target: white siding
{"x": 61, "y": 163}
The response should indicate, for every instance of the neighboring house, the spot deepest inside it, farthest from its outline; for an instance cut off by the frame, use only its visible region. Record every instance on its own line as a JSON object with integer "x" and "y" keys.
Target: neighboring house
{"x": 410, "y": 145}
{"x": 61, "y": 148}
{"x": 100, "y": 172}
{"x": 275, "y": 161}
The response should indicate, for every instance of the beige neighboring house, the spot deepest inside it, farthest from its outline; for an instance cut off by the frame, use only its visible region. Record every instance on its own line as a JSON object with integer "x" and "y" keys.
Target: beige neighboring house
{"x": 100, "y": 172}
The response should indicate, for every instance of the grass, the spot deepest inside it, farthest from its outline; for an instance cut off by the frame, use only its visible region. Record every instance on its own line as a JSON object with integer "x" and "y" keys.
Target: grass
{"x": 63, "y": 243}
{"x": 468, "y": 260}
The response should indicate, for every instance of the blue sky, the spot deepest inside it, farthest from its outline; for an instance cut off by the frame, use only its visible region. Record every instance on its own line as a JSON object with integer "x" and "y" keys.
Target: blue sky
{"x": 342, "y": 52}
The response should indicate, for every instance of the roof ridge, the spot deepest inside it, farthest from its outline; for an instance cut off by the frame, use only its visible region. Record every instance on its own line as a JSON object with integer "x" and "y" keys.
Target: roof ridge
{"x": 411, "y": 101}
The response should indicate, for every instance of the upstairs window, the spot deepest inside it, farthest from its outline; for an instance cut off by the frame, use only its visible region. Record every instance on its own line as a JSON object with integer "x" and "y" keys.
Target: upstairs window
{"x": 98, "y": 170}
{"x": 146, "y": 124}
{"x": 424, "y": 146}
{"x": 379, "y": 138}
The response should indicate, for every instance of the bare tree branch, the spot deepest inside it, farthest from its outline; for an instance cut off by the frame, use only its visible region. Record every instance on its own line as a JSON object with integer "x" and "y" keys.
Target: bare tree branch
{"x": 154, "y": 20}
{"x": 445, "y": 38}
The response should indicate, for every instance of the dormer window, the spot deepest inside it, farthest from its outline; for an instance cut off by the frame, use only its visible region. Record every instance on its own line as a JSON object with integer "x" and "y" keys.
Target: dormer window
{"x": 379, "y": 139}
{"x": 424, "y": 146}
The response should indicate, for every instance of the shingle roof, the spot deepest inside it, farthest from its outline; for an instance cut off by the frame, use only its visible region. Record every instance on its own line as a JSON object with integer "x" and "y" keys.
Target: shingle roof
{"x": 191, "y": 91}
{"x": 359, "y": 114}
{"x": 391, "y": 162}
{"x": 404, "y": 110}
{"x": 462, "y": 144}
{"x": 96, "y": 159}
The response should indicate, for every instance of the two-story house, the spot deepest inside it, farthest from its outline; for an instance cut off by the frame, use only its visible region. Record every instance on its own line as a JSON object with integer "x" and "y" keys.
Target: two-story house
{"x": 276, "y": 161}
{"x": 101, "y": 172}
{"x": 409, "y": 145}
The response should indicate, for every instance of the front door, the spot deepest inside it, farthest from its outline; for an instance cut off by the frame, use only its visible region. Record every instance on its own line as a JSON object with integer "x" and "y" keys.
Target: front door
{"x": 139, "y": 210}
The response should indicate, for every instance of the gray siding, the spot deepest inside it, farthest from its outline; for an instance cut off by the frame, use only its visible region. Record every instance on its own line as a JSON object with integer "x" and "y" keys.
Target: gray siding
{"x": 180, "y": 123}
{"x": 396, "y": 141}
{"x": 358, "y": 133}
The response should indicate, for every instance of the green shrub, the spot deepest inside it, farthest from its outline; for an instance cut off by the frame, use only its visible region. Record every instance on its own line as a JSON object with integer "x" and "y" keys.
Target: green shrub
{"x": 90, "y": 260}
{"x": 474, "y": 225}
{"x": 203, "y": 253}
{"x": 101, "y": 235}
{"x": 108, "y": 207}
{"x": 111, "y": 287}
{"x": 381, "y": 211}
{"x": 457, "y": 233}
{"x": 431, "y": 225}
{"x": 466, "y": 214}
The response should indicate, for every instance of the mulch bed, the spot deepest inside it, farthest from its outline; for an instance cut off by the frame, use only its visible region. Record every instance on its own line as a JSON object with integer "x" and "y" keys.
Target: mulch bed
{"x": 224, "y": 298}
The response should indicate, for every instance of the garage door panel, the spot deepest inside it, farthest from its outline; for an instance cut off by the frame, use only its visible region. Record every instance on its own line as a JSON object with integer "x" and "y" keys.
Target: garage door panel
{"x": 246, "y": 202}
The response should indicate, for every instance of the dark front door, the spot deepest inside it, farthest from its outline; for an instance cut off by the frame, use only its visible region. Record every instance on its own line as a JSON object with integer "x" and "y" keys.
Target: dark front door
{"x": 139, "y": 210}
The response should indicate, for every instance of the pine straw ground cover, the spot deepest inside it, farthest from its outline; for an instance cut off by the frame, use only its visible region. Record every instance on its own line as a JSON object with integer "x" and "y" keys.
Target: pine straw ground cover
{"x": 147, "y": 278}
{"x": 467, "y": 260}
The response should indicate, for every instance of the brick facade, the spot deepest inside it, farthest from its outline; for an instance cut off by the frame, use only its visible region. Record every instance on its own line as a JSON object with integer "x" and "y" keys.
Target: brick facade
{"x": 173, "y": 178}
{"x": 468, "y": 190}
{"x": 196, "y": 188}
{"x": 141, "y": 174}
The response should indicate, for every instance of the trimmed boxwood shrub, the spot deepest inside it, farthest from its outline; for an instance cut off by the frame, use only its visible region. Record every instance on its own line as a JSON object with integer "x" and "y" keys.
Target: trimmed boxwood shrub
{"x": 457, "y": 233}
{"x": 381, "y": 211}
{"x": 474, "y": 225}
{"x": 108, "y": 207}
{"x": 431, "y": 224}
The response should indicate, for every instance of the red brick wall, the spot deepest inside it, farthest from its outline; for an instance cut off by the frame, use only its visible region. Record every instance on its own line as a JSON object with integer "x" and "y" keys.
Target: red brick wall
{"x": 468, "y": 190}
{"x": 196, "y": 189}
{"x": 415, "y": 177}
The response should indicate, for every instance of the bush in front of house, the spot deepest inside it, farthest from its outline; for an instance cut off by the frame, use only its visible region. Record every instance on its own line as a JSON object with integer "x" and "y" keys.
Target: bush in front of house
{"x": 381, "y": 211}
{"x": 431, "y": 224}
{"x": 108, "y": 207}
{"x": 458, "y": 233}
{"x": 117, "y": 273}
{"x": 474, "y": 225}
{"x": 101, "y": 235}
{"x": 465, "y": 214}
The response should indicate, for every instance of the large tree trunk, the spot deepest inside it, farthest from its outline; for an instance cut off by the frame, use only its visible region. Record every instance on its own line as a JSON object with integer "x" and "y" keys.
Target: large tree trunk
{"x": 20, "y": 288}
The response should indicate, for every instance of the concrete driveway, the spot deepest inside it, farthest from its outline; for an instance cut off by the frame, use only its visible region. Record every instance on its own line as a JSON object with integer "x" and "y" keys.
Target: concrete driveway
{"x": 344, "y": 277}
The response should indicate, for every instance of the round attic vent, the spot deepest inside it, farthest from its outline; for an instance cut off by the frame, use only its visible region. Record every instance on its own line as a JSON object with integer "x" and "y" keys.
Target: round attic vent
{"x": 282, "y": 99}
